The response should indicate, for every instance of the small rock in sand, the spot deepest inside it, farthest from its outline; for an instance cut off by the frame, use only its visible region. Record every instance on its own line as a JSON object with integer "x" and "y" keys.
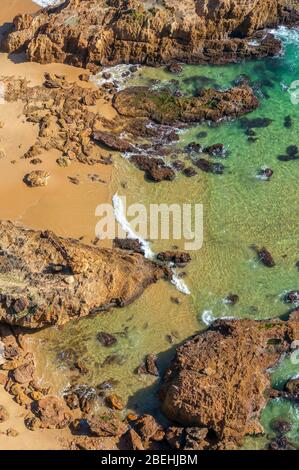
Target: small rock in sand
{"x": 37, "y": 178}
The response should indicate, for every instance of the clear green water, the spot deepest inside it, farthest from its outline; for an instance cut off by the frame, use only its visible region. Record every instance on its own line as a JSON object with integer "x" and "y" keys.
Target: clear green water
{"x": 239, "y": 210}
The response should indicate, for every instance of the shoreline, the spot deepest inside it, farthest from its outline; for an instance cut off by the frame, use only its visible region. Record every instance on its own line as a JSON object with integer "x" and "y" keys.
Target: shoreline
{"x": 41, "y": 208}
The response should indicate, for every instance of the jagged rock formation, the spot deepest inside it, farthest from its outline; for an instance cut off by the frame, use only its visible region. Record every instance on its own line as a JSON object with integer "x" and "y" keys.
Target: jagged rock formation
{"x": 100, "y": 32}
{"x": 218, "y": 379}
{"x": 46, "y": 280}
{"x": 162, "y": 107}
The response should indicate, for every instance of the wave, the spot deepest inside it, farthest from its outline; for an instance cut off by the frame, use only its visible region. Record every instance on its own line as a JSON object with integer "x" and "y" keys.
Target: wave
{"x": 208, "y": 317}
{"x": 119, "y": 213}
{"x": 289, "y": 36}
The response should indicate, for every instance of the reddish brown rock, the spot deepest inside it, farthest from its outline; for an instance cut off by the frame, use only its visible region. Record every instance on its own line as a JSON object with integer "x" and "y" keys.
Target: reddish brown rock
{"x": 24, "y": 373}
{"x": 100, "y": 278}
{"x": 128, "y": 31}
{"x": 107, "y": 425}
{"x": 52, "y": 413}
{"x": 112, "y": 141}
{"x": 219, "y": 378}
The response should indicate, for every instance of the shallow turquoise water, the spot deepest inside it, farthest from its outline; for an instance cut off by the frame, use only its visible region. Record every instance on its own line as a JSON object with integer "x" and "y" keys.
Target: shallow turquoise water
{"x": 239, "y": 210}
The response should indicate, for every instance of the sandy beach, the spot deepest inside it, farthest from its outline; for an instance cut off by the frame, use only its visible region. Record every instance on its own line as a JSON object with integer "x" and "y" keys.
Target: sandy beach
{"x": 65, "y": 208}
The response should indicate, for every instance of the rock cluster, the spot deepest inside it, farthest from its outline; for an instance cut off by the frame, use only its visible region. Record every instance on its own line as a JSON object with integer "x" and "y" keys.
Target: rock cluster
{"x": 218, "y": 380}
{"x": 100, "y": 32}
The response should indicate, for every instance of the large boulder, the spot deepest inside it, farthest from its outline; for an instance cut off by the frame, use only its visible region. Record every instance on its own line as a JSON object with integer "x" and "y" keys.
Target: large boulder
{"x": 218, "y": 379}
{"x": 46, "y": 280}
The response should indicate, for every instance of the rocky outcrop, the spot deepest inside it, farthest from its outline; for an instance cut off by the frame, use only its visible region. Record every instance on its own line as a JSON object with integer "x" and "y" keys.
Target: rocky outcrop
{"x": 47, "y": 280}
{"x": 218, "y": 379}
{"x": 100, "y": 32}
{"x": 163, "y": 107}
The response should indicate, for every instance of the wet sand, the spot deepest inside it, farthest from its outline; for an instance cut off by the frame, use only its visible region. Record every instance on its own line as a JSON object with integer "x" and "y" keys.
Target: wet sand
{"x": 63, "y": 207}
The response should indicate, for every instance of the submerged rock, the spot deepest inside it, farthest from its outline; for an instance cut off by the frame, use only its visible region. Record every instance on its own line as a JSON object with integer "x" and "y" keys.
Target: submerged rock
{"x": 265, "y": 257}
{"x": 292, "y": 387}
{"x": 292, "y": 297}
{"x": 106, "y": 339}
{"x": 209, "y": 167}
{"x": 149, "y": 366}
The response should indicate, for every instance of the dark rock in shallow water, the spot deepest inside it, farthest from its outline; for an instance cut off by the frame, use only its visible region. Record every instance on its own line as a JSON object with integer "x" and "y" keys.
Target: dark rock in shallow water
{"x": 292, "y": 150}
{"x": 194, "y": 147}
{"x": 241, "y": 80}
{"x": 176, "y": 257}
{"x": 86, "y": 396}
{"x": 175, "y": 68}
{"x": 178, "y": 165}
{"x": 280, "y": 425}
{"x": 202, "y": 134}
{"x": 190, "y": 171}
{"x": 209, "y": 167}
{"x": 149, "y": 366}
{"x": 255, "y": 123}
{"x": 265, "y": 257}
{"x": 266, "y": 173}
{"x": 288, "y": 123}
{"x": 112, "y": 141}
{"x": 287, "y": 158}
{"x": 216, "y": 150}
{"x": 292, "y": 387}
{"x": 154, "y": 168}
{"x": 129, "y": 244}
{"x": 280, "y": 443}
{"x": 106, "y": 339}
{"x": 232, "y": 299}
{"x": 250, "y": 132}
{"x": 292, "y": 297}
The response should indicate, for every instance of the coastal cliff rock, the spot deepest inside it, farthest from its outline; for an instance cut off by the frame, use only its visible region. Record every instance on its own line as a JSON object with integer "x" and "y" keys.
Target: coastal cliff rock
{"x": 219, "y": 378}
{"x": 46, "y": 280}
{"x": 100, "y": 32}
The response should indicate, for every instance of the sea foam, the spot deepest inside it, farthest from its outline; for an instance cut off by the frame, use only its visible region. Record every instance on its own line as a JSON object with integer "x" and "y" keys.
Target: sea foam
{"x": 120, "y": 216}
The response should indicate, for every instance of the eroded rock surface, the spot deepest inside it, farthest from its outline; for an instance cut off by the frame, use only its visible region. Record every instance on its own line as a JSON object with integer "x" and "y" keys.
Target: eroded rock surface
{"x": 218, "y": 379}
{"x": 100, "y": 32}
{"x": 46, "y": 280}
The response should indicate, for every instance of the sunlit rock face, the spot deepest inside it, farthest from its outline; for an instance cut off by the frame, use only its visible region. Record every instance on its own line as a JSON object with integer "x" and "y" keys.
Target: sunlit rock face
{"x": 97, "y": 32}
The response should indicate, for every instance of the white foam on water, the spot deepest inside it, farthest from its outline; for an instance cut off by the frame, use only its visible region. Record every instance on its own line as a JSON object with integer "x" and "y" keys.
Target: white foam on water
{"x": 208, "y": 318}
{"x": 118, "y": 74}
{"x": 120, "y": 217}
{"x": 287, "y": 35}
{"x": 47, "y": 3}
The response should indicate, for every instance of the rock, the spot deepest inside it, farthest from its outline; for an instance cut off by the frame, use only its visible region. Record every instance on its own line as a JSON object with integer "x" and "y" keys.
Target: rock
{"x": 129, "y": 244}
{"x": 266, "y": 173}
{"x": 228, "y": 401}
{"x": 280, "y": 426}
{"x": 148, "y": 429}
{"x": 12, "y": 432}
{"x": 178, "y": 165}
{"x": 265, "y": 257}
{"x": 164, "y": 108}
{"x": 287, "y": 158}
{"x": 280, "y": 443}
{"x": 132, "y": 441}
{"x": 149, "y": 366}
{"x": 106, "y": 339}
{"x": 176, "y": 31}
{"x": 189, "y": 172}
{"x": 175, "y": 436}
{"x": 216, "y": 150}
{"x": 115, "y": 402}
{"x": 154, "y": 168}
{"x": 112, "y": 141}
{"x": 292, "y": 150}
{"x": 175, "y": 68}
{"x": 288, "y": 123}
{"x": 292, "y": 387}
{"x": 2, "y": 154}
{"x": 62, "y": 161}
{"x": 209, "y": 167}
{"x": 102, "y": 278}
{"x": 255, "y": 123}
{"x": 37, "y": 178}
{"x": 36, "y": 161}
{"x": 82, "y": 395}
{"x": 292, "y": 297}
{"x": 4, "y": 415}
{"x": 52, "y": 413}
{"x": 179, "y": 258}
{"x": 194, "y": 147}
{"x": 24, "y": 373}
{"x": 84, "y": 77}
{"x": 232, "y": 299}
{"x": 106, "y": 425}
